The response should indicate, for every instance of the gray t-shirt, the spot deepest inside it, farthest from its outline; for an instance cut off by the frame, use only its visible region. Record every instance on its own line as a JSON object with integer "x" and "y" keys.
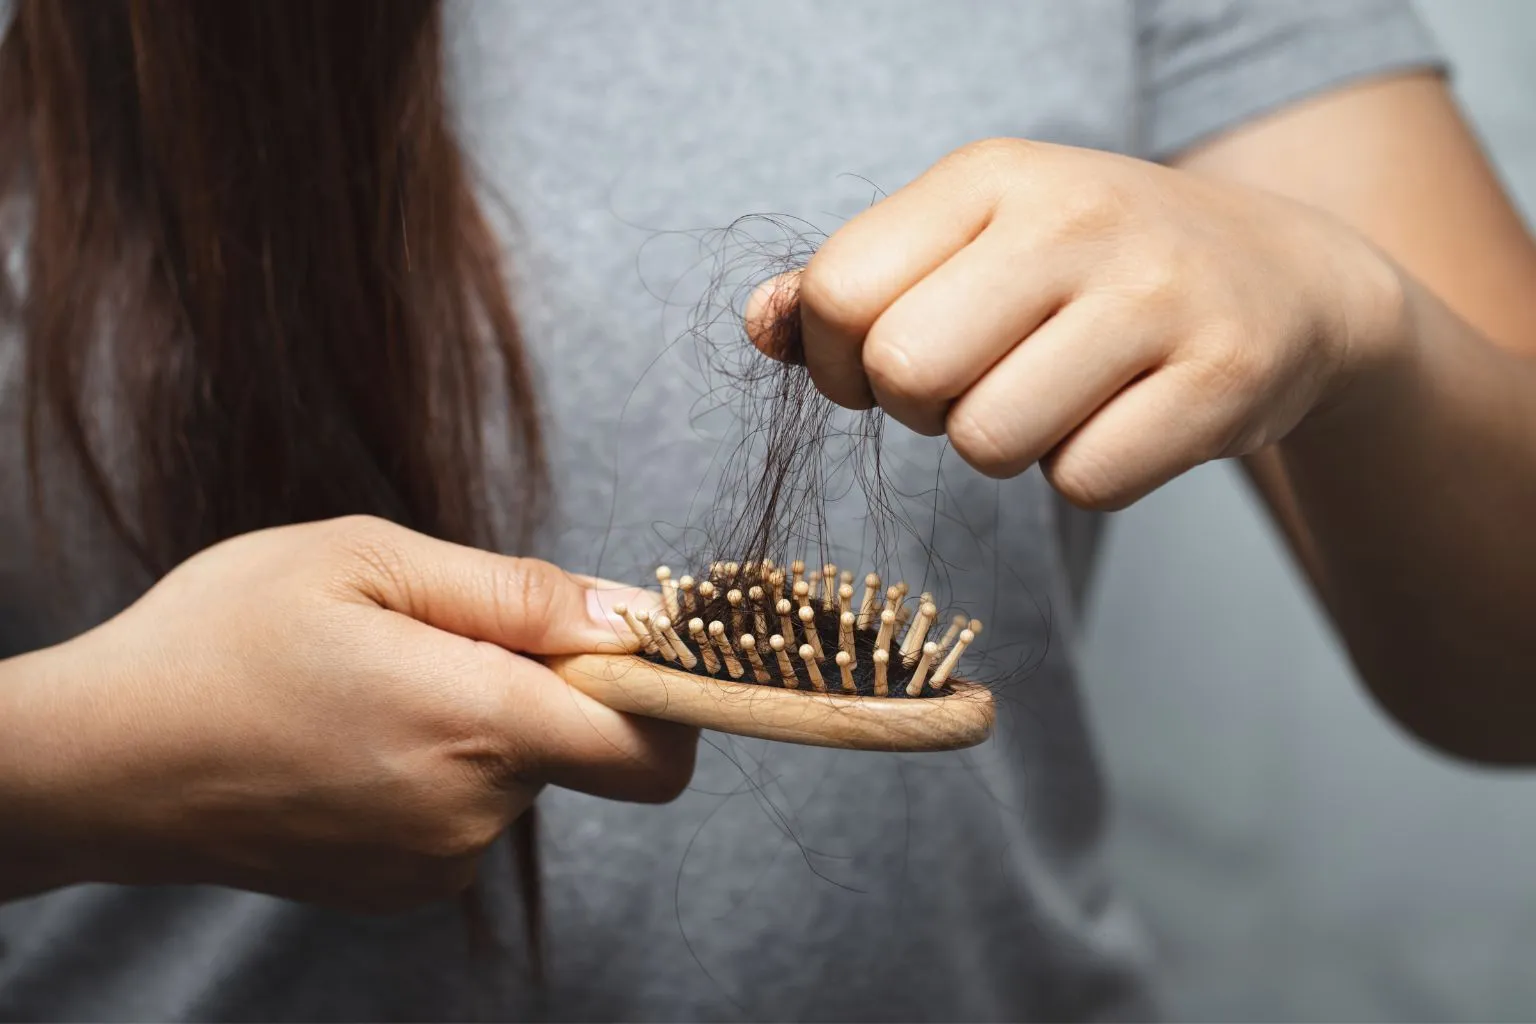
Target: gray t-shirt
{"x": 788, "y": 882}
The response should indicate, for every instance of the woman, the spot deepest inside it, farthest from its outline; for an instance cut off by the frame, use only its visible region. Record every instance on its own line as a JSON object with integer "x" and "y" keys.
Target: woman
{"x": 252, "y": 223}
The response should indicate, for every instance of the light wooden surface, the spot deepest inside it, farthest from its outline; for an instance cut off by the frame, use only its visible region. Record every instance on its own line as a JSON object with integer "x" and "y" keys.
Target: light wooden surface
{"x": 804, "y": 716}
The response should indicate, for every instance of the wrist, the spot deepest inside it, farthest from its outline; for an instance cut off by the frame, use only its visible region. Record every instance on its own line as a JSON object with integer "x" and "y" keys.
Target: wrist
{"x": 1377, "y": 321}
{"x": 40, "y": 844}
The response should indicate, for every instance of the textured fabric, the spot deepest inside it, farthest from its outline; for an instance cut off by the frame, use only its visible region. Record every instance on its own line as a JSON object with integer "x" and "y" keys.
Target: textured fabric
{"x": 788, "y": 882}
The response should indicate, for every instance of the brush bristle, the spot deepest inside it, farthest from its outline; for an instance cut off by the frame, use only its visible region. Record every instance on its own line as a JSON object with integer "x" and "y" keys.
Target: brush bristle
{"x": 852, "y": 637}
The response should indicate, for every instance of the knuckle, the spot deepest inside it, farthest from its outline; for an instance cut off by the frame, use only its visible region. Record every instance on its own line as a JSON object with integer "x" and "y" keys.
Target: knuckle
{"x": 836, "y": 294}
{"x": 1087, "y": 481}
{"x": 1091, "y": 208}
{"x": 891, "y": 369}
{"x": 978, "y": 442}
{"x": 367, "y": 541}
{"x": 458, "y": 839}
{"x": 670, "y": 768}
{"x": 1155, "y": 281}
{"x": 993, "y": 153}
{"x": 521, "y": 593}
{"x": 1230, "y": 364}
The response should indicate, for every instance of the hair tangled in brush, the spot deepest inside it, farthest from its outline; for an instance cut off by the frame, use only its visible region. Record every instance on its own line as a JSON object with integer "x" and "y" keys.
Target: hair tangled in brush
{"x": 792, "y": 456}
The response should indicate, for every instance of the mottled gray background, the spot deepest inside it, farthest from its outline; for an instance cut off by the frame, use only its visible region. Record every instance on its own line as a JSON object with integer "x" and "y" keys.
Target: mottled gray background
{"x": 1296, "y": 856}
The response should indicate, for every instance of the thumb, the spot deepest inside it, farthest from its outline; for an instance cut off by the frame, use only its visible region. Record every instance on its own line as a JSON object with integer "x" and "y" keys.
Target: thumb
{"x": 522, "y": 604}
{"x": 772, "y": 318}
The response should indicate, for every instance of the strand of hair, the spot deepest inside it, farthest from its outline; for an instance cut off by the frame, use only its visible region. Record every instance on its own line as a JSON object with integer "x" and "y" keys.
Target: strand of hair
{"x": 956, "y": 624}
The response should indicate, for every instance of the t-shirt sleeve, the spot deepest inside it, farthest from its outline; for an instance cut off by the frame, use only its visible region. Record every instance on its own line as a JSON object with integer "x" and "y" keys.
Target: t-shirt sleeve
{"x": 1210, "y": 65}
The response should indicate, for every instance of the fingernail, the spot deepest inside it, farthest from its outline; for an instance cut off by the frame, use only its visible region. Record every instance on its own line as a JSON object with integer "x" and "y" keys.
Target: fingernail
{"x": 601, "y": 602}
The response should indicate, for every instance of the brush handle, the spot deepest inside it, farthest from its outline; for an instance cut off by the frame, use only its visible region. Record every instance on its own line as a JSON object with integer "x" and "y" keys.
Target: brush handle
{"x": 625, "y": 683}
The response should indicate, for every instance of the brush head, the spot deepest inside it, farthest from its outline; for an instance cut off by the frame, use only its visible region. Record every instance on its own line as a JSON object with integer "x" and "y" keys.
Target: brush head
{"x": 828, "y": 675}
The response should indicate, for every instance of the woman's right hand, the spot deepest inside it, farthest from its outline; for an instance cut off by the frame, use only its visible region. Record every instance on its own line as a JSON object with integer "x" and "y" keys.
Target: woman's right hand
{"x": 342, "y": 712}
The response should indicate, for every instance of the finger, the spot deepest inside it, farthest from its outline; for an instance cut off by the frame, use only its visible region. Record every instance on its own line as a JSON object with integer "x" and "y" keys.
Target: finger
{"x": 1153, "y": 431}
{"x": 1046, "y": 387}
{"x": 555, "y": 734}
{"x": 945, "y": 332}
{"x": 522, "y": 604}
{"x": 772, "y": 318}
{"x": 873, "y": 259}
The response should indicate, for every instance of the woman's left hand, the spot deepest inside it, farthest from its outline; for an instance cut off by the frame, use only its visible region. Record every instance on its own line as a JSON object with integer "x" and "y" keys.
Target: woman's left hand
{"x": 1115, "y": 321}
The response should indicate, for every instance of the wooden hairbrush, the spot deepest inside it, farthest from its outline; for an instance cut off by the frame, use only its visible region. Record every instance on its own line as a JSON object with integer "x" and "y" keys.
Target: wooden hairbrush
{"x": 872, "y": 675}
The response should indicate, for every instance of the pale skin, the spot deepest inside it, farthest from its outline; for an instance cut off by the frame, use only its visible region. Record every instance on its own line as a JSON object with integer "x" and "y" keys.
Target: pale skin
{"x": 330, "y": 712}
{"x": 1339, "y": 295}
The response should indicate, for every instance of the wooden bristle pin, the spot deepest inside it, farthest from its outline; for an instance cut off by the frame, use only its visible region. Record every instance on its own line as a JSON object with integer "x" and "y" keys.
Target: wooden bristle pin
{"x": 871, "y": 593}
{"x": 679, "y": 648}
{"x": 812, "y": 578}
{"x": 786, "y": 624}
{"x": 887, "y": 628}
{"x": 802, "y": 593}
{"x": 828, "y": 586}
{"x": 641, "y": 633}
{"x": 948, "y": 665}
{"x": 902, "y": 611}
{"x": 685, "y": 595}
{"x": 727, "y": 652}
{"x": 759, "y": 620}
{"x": 845, "y": 637}
{"x": 706, "y": 649}
{"x": 786, "y": 667}
{"x": 797, "y": 572}
{"x": 731, "y": 569}
{"x": 844, "y": 661}
{"x": 644, "y": 618}
{"x": 808, "y": 655}
{"x": 759, "y": 670}
{"x": 917, "y": 633}
{"x": 893, "y": 599}
{"x": 915, "y": 684}
{"x": 808, "y": 626}
{"x": 734, "y": 598}
{"x": 776, "y": 585}
{"x": 660, "y": 638}
{"x": 847, "y": 578}
{"x": 845, "y": 598}
{"x": 706, "y": 594}
{"x": 882, "y": 687}
{"x": 956, "y": 624}
{"x": 668, "y": 590}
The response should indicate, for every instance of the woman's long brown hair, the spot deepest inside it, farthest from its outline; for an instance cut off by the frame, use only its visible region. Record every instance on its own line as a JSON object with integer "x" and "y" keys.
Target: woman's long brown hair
{"x": 257, "y": 286}
{"x": 250, "y": 228}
